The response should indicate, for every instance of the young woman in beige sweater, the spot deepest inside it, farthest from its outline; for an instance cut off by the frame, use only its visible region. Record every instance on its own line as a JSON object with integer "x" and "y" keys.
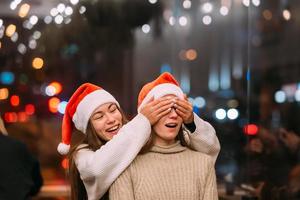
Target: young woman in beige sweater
{"x": 167, "y": 169}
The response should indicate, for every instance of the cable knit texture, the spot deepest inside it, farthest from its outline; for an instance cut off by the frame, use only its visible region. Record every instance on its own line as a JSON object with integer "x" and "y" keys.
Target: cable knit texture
{"x": 167, "y": 173}
{"x": 99, "y": 169}
{"x": 204, "y": 138}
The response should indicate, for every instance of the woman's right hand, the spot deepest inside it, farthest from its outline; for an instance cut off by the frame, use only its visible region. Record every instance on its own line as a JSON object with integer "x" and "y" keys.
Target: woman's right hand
{"x": 155, "y": 109}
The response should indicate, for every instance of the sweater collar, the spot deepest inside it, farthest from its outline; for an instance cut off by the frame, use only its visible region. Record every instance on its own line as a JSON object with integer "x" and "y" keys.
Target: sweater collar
{"x": 173, "y": 148}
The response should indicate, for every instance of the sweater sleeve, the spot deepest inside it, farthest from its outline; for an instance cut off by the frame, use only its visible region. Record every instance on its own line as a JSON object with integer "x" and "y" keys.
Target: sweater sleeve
{"x": 210, "y": 187}
{"x": 122, "y": 188}
{"x": 204, "y": 139}
{"x": 102, "y": 167}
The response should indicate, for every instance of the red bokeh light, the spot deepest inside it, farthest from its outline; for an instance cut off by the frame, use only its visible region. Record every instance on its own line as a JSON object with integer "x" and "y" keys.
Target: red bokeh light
{"x": 65, "y": 163}
{"x": 29, "y": 109}
{"x": 10, "y": 117}
{"x": 250, "y": 129}
{"x": 14, "y": 100}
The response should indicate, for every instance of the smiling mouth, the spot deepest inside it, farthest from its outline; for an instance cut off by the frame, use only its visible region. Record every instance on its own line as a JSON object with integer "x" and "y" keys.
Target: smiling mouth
{"x": 113, "y": 129}
{"x": 171, "y": 125}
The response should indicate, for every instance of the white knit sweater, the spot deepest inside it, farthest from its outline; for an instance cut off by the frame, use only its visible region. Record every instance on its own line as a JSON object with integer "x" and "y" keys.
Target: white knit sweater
{"x": 99, "y": 169}
{"x": 204, "y": 138}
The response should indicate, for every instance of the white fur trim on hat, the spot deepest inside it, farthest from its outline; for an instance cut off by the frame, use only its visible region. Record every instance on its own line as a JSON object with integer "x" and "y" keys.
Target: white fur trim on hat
{"x": 160, "y": 91}
{"x": 63, "y": 149}
{"x": 87, "y": 106}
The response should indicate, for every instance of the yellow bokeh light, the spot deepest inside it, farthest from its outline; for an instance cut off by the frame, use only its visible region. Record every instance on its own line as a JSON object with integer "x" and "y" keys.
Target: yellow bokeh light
{"x": 53, "y": 104}
{"x": 57, "y": 86}
{"x": 24, "y": 9}
{"x": 37, "y": 63}
{"x": 267, "y": 14}
{"x": 0, "y": 45}
{"x": 191, "y": 54}
{"x": 10, "y": 30}
{"x": 3, "y": 93}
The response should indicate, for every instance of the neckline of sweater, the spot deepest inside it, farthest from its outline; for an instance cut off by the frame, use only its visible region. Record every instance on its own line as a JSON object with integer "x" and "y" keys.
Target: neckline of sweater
{"x": 173, "y": 148}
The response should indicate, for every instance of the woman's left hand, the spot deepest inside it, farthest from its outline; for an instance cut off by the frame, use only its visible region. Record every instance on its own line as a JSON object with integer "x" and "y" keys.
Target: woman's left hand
{"x": 184, "y": 109}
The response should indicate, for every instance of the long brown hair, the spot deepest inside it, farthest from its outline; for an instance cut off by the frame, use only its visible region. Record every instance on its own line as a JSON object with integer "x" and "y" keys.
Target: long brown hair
{"x": 93, "y": 142}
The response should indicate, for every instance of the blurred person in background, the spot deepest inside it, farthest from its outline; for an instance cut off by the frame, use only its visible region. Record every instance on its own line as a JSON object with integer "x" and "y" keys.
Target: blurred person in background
{"x": 20, "y": 176}
{"x": 294, "y": 183}
{"x": 269, "y": 159}
{"x": 291, "y": 140}
{"x": 166, "y": 168}
{"x": 111, "y": 144}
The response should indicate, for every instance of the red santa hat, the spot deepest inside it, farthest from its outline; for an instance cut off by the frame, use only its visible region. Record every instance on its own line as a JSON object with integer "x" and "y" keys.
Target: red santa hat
{"x": 79, "y": 109}
{"x": 165, "y": 84}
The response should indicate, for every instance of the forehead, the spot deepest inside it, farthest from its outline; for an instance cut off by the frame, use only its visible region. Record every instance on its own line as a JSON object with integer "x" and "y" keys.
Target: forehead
{"x": 170, "y": 95}
{"x": 104, "y": 107}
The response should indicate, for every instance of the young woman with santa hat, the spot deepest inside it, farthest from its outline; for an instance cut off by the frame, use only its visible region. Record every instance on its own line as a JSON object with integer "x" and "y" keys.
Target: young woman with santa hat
{"x": 167, "y": 169}
{"x": 111, "y": 144}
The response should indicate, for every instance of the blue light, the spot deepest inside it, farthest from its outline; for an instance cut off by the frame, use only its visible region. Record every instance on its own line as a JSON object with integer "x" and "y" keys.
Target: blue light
{"x": 225, "y": 80}
{"x": 165, "y": 68}
{"x": 248, "y": 75}
{"x": 62, "y": 107}
{"x": 185, "y": 84}
{"x": 7, "y": 78}
{"x": 213, "y": 81}
{"x": 199, "y": 102}
{"x": 196, "y": 110}
{"x": 280, "y": 96}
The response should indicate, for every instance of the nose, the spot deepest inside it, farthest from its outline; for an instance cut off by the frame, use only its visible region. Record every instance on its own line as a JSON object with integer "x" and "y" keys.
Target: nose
{"x": 173, "y": 114}
{"x": 109, "y": 118}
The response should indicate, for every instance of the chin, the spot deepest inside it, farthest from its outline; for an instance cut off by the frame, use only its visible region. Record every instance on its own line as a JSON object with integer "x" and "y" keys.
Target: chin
{"x": 171, "y": 136}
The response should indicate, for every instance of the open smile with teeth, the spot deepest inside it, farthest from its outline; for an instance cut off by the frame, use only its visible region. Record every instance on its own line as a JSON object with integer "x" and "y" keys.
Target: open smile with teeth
{"x": 171, "y": 125}
{"x": 112, "y": 129}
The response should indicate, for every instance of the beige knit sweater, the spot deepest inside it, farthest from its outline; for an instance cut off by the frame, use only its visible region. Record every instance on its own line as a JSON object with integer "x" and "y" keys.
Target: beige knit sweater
{"x": 167, "y": 173}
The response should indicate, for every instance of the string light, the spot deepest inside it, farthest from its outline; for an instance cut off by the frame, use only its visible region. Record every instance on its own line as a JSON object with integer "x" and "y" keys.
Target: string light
{"x": 24, "y": 9}
{"x": 250, "y": 129}
{"x": 53, "y": 104}
{"x": 152, "y": 1}
{"x": 207, "y": 20}
{"x": 183, "y": 21}
{"x": 267, "y": 14}
{"x": 224, "y": 10}
{"x": 256, "y": 2}
{"x": 22, "y": 48}
{"x": 37, "y": 63}
{"x": 146, "y": 28}
{"x": 10, "y": 30}
{"x": 33, "y": 19}
{"x": 14, "y": 100}
{"x": 29, "y": 109}
{"x": 207, "y": 7}
{"x": 82, "y": 9}
{"x": 4, "y": 93}
{"x": 191, "y": 54}
{"x": 286, "y": 14}
{"x": 172, "y": 21}
{"x": 74, "y": 2}
{"x": 187, "y": 4}
{"x": 246, "y": 3}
